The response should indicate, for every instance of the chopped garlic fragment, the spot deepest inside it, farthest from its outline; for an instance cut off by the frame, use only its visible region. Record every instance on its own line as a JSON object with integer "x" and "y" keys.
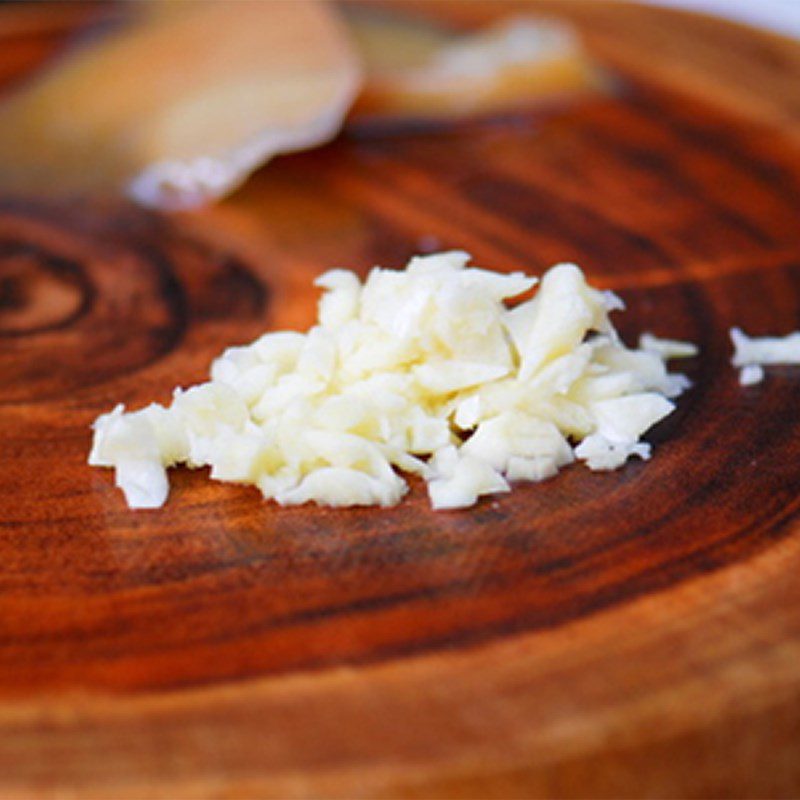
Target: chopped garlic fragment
{"x": 666, "y": 348}
{"x": 751, "y": 374}
{"x": 764, "y": 349}
{"x": 460, "y": 479}
{"x": 424, "y": 371}
{"x": 753, "y": 353}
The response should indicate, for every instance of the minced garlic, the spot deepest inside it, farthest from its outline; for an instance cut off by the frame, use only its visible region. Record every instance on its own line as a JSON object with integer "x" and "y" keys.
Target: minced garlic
{"x": 751, "y": 354}
{"x": 424, "y": 371}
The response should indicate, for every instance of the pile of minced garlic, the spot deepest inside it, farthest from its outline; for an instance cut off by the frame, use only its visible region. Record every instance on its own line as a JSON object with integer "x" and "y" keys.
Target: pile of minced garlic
{"x": 424, "y": 371}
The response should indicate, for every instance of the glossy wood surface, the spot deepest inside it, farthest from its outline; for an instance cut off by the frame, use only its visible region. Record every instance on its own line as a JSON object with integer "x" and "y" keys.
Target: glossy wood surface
{"x": 625, "y": 634}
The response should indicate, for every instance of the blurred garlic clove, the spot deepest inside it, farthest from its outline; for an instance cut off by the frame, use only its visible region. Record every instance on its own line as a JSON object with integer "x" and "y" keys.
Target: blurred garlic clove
{"x": 180, "y": 104}
{"x": 416, "y": 70}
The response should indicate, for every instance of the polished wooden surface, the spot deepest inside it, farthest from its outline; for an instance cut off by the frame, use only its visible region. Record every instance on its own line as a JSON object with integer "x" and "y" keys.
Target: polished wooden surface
{"x": 633, "y": 633}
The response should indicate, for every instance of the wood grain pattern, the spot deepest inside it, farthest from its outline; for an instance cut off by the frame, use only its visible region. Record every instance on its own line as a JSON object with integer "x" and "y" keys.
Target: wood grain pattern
{"x": 629, "y": 634}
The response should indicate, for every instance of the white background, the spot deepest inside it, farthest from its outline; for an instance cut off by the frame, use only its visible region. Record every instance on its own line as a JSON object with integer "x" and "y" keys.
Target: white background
{"x": 782, "y": 16}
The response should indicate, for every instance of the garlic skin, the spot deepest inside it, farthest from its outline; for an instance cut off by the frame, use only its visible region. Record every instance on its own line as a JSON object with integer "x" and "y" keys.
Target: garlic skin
{"x": 425, "y": 370}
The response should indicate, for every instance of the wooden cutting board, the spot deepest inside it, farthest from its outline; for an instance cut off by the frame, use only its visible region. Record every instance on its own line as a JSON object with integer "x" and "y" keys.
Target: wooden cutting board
{"x": 625, "y": 634}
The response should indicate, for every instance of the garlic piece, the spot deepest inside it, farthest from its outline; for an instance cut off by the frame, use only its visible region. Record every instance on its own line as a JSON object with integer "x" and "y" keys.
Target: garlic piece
{"x": 425, "y": 371}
